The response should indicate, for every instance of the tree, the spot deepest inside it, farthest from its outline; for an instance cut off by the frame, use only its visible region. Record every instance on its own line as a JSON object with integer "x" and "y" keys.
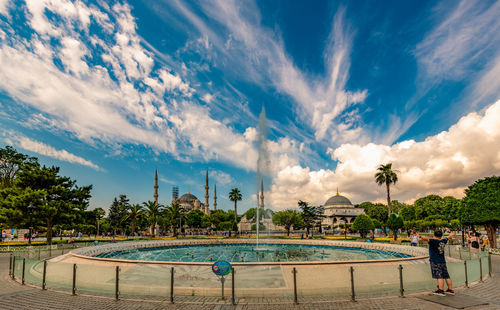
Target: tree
{"x": 363, "y": 224}
{"x": 407, "y": 213}
{"x": 117, "y": 212}
{"x": 394, "y": 223}
{"x": 175, "y": 215}
{"x": 57, "y": 199}
{"x": 387, "y": 176}
{"x": 311, "y": 216}
{"x": 134, "y": 212}
{"x": 152, "y": 210}
{"x": 287, "y": 219}
{"x": 481, "y": 205}
{"x": 194, "y": 218}
{"x": 10, "y": 163}
{"x": 235, "y": 195}
{"x": 99, "y": 214}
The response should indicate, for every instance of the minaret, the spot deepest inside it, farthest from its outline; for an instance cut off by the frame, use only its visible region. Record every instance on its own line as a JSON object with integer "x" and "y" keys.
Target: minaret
{"x": 206, "y": 193}
{"x": 262, "y": 194}
{"x": 215, "y": 196}
{"x": 155, "y": 195}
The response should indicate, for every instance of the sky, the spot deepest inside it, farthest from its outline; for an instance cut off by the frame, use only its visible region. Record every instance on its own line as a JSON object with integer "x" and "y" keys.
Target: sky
{"x": 112, "y": 90}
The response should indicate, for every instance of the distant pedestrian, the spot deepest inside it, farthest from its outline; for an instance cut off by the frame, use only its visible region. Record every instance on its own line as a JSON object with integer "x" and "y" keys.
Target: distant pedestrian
{"x": 413, "y": 239}
{"x": 474, "y": 240}
{"x": 438, "y": 262}
{"x": 3, "y": 236}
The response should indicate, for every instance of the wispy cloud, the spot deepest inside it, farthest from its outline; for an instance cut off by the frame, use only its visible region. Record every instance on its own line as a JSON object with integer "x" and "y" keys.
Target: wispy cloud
{"x": 259, "y": 56}
{"x": 47, "y": 150}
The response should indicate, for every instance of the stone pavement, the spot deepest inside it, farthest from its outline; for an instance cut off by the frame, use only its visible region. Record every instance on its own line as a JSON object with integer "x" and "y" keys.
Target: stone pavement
{"x": 13, "y": 295}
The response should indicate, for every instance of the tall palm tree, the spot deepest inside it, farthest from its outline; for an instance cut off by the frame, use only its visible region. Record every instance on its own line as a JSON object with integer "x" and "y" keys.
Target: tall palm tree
{"x": 152, "y": 212}
{"x": 387, "y": 176}
{"x": 235, "y": 195}
{"x": 99, "y": 214}
{"x": 134, "y": 212}
{"x": 175, "y": 214}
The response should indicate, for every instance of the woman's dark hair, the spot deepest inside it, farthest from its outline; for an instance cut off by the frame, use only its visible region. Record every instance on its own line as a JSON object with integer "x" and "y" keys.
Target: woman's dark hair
{"x": 438, "y": 233}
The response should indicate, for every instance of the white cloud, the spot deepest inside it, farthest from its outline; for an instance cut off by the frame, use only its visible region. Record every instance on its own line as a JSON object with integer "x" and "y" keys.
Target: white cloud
{"x": 47, "y": 150}
{"x": 259, "y": 55}
{"x": 444, "y": 164}
{"x": 122, "y": 101}
{"x": 221, "y": 177}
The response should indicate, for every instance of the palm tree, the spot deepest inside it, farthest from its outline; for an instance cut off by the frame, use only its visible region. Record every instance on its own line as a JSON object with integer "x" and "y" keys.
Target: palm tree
{"x": 152, "y": 211}
{"x": 387, "y": 176}
{"x": 175, "y": 214}
{"x": 133, "y": 214}
{"x": 99, "y": 213}
{"x": 235, "y": 195}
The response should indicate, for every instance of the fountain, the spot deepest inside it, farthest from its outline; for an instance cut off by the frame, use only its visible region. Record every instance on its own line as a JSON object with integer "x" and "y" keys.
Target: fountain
{"x": 262, "y": 168}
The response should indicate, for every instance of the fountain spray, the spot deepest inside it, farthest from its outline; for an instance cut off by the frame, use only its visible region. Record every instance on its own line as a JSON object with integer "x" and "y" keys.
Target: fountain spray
{"x": 262, "y": 165}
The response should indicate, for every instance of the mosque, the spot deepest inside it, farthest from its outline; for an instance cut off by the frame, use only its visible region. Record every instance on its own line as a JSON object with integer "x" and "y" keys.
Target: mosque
{"x": 338, "y": 210}
{"x": 189, "y": 201}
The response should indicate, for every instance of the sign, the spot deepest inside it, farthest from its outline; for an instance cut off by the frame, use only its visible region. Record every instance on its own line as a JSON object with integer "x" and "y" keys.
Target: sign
{"x": 221, "y": 268}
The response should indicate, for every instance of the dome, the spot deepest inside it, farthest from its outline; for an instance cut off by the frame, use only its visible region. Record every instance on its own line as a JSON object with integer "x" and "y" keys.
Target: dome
{"x": 188, "y": 196}
{"x": 338, "y": 200}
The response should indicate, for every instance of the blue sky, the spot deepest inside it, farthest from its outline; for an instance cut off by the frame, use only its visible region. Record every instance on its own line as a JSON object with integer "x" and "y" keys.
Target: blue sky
{"x": 109, "y": 91}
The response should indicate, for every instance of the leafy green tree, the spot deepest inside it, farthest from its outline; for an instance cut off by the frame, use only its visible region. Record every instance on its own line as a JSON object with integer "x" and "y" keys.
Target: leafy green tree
{"x": 428, "y": 205}
{"x": 385, "y": 175}
{"x": 481, "y": 205}
{"x": 311, "y": 216}
{"x": 11, "y": 162}
{"x": 397, "y": 206}
{"x": 57, "y": 199}
{"x": 287, "y": 219}
{"x": 235, "y": 195}
{"x": 407, "y": 213}
{"x": 363, "y": 224}
{"x": 133, "y": 214}
{"x": 152, "y": 210}
{"x": 117, "y": 212}
{"x": 194, "y": 218}
{"x": 394, "y": 223}
{"x": 175, "y": 215}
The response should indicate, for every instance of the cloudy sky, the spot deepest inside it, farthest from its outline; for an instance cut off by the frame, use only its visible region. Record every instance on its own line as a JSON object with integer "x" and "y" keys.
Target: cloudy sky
{"x": 109, "y": 91}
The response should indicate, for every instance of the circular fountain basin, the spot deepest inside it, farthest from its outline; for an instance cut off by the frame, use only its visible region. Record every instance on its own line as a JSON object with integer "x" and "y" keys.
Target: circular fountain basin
{"x": 266, "y": 252}
{"x": 245, "y": 251}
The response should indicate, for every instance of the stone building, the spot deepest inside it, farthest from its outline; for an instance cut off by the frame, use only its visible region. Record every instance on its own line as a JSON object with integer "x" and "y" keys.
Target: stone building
{"x": 190, "y": 202}
{"x": 338, "y": 210}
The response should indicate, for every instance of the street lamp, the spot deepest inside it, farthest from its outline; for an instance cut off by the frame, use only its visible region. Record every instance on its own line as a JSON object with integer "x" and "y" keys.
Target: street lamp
{"x": 31, "y": 208}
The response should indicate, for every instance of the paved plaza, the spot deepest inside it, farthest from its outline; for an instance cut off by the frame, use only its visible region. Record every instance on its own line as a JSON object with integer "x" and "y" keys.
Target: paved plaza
{"x": 13, "y": 295}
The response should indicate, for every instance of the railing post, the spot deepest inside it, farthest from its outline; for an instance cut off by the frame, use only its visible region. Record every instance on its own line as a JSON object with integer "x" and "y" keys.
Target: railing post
{"x": 14, "y": 268}
{"x": 449, "y": 251}
{"x": 353, "y": 294}
{"x": 489, "y": 265}
{"x": 44, "y": 274}
{"x": 466, "y": 276}
{"x": 295, "y": 299}
{"x": 233, "y": 298}
{"x": 73, "y": 290}
{"x": 172, "y": 285}
{"x": 10, "y": 264}
{"x": 480, "y": 269}
{"x": 460, "y": 252}
{"x": 24, "y": 267}
{"x": 401, "y": 288}
{"x": 117, "y": 284}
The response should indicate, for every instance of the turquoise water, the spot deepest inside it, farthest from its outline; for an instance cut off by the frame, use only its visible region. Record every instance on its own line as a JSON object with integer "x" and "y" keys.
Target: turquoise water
{"x": 249, "y": 253}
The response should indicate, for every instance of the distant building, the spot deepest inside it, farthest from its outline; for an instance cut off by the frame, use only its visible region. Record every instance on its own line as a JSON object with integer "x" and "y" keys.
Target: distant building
{"x": 190, "y": 202}
{"x": 338, "y": 210}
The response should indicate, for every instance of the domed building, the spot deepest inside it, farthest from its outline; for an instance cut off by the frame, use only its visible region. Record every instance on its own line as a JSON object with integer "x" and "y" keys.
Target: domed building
{"x": 338, "y": 210}
{"x": 190, "y": 202}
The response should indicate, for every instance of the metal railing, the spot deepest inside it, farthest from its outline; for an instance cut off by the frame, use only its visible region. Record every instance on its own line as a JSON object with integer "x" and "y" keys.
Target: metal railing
{"x": 348, "y": 281}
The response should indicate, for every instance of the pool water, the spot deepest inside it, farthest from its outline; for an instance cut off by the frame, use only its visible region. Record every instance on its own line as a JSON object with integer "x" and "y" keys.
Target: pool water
{"x": 249, "y": 253}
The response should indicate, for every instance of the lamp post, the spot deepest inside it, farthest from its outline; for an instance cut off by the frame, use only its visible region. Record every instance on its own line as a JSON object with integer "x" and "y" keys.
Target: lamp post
{"x": 31, "y": 208}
